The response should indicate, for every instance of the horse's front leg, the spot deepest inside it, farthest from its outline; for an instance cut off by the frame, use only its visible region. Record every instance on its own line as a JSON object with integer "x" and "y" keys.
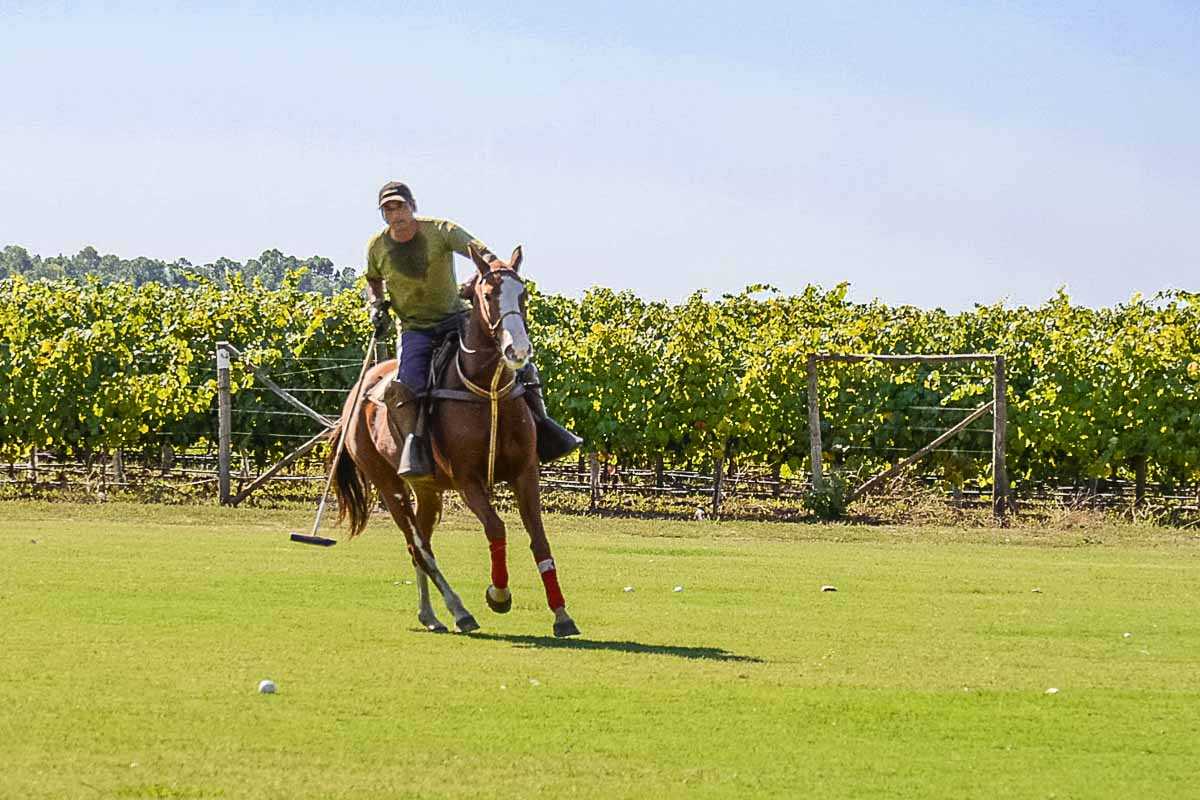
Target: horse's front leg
{"x": 529, "y": 501}
{"x": 425, "y": 613}
{"x": 398, "y": 502}
{"x": 476, "y": 497}
{"x": 429, "y": 505}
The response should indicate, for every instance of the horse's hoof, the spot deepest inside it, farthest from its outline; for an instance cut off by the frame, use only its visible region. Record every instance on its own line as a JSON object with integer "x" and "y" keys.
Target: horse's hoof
{"x": 438, "y": 628}
{"x": 466, "y": 624}
{"x": 566, "y": 628}
{"x": 499, "y": 607}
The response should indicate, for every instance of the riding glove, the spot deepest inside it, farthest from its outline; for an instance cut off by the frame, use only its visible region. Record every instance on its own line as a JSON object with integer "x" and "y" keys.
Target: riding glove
{"x": 380, "y": 318}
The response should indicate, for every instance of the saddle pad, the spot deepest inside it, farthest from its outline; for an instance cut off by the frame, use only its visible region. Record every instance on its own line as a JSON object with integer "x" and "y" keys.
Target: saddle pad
{"x": 376, "y": 392}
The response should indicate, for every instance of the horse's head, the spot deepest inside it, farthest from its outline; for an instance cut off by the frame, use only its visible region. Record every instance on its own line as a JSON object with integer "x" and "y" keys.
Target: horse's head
{"x": 498, "y": 298}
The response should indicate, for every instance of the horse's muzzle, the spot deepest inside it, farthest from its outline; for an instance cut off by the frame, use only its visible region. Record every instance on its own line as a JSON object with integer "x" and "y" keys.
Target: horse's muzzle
{"x": 516, "y": 358}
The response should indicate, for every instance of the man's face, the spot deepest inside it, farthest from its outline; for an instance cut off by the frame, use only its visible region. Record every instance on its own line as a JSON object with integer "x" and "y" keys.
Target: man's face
{"x": 397, "y": 213}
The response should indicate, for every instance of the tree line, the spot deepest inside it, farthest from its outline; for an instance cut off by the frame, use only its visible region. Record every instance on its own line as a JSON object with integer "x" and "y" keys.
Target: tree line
{"x": 319, "y": 274}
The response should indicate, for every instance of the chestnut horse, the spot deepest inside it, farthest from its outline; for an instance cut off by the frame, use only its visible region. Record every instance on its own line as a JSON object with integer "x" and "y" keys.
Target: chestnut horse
{"x": 482, "y": 433}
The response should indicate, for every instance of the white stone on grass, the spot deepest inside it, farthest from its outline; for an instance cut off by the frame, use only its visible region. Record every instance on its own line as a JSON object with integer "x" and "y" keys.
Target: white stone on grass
{"x": 677, "y": 589}
{"x": 266, "y": 686}
{"x": 627, "y": 589}
{"x": 1052, "y": 690}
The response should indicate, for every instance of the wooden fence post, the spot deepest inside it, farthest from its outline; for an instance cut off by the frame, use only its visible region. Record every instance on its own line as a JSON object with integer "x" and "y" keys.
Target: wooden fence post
{"x": 814, "y": 422}
{"x": 594, "y": 461}
{"x": 999, "y": 435}
{"x": 224, "y": 424}
{"x": 718, "y": 480}
{"x": 1139, "y": 481}
{"x": 118, "y": 464}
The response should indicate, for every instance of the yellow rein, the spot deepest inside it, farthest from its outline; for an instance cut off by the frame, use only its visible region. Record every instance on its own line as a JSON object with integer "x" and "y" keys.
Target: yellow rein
{"x": 493, "y": 395}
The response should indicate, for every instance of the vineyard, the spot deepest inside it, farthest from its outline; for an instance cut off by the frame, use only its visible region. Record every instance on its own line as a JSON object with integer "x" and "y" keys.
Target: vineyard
{"x": 1109, "y": 394}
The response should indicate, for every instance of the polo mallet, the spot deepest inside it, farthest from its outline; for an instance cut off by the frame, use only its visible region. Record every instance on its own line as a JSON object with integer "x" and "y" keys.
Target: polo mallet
{"x": 312, "y": 538}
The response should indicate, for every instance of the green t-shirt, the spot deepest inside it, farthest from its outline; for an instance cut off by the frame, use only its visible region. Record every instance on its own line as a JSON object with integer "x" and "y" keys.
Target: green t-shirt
{"x": 419, "y": 273}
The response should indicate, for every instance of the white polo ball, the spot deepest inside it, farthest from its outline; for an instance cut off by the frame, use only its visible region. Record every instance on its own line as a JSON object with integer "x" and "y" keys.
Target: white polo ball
{"x": 266, "y": 686}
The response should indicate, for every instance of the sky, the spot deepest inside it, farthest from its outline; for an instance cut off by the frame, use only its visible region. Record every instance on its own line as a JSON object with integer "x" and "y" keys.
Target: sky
{"x": 934, "y": 154}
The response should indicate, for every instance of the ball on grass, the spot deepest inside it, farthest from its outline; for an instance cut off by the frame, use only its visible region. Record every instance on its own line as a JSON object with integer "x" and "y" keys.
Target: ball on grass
{"x": 266, "y": 686}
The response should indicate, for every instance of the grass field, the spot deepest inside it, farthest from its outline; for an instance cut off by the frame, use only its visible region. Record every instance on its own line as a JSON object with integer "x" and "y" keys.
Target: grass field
{"x": 134, "y": 637}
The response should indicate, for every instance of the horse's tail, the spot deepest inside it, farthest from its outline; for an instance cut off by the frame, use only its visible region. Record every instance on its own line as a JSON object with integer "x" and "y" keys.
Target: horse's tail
{"x": 352, "y": 489}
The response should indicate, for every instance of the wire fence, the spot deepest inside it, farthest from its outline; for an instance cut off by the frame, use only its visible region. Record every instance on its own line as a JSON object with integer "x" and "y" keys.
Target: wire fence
{"x": 590, "y": 483}
{"x": 576, "y": 485}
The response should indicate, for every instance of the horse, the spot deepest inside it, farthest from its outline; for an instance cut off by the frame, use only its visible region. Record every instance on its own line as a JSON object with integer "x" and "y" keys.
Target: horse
{"x": 482, "y": 433}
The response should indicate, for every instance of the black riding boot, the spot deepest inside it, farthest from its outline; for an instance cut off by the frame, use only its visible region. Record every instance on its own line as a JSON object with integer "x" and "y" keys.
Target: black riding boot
{"x": 416, "y": 460}
{"x": 406, "y": 416}
{"x": 553, "y": 440}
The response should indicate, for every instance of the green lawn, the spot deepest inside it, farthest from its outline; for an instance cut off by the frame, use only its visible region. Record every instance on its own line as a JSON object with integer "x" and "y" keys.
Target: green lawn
{"x": 134, "y": 637}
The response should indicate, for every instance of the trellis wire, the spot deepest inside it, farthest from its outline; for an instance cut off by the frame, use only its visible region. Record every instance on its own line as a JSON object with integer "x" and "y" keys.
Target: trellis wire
{"x": 309, "y": 371}
{"x": 272, "y": 413}
{"x": 909, "y": 450}
{"x": 272, "y": 435}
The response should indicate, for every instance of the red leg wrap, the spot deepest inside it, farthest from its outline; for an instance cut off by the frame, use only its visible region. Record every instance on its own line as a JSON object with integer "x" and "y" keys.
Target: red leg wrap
{"x": 499, "y": 564}
{"x": 553, "y": 594}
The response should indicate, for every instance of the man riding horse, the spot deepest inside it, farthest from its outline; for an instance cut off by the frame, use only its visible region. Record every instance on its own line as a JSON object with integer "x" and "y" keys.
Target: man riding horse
{"x": 410, "y": 273}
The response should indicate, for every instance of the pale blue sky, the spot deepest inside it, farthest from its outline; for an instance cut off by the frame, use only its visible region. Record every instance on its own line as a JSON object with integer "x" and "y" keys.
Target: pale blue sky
{"x": 929, "y": 153}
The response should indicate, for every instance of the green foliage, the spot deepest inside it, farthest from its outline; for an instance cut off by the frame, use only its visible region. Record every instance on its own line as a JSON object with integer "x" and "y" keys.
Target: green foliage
{"x": 90, "y": 367}
{"x": 87, "y": 365}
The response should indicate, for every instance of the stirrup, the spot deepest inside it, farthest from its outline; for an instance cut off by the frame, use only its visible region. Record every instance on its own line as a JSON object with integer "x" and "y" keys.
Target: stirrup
{"x": 554, "y": 441}
{"x": 416, "y": 459}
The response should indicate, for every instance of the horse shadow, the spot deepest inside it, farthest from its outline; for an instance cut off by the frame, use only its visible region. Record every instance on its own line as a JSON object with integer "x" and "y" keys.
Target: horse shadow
{"x": 640, "y": 648}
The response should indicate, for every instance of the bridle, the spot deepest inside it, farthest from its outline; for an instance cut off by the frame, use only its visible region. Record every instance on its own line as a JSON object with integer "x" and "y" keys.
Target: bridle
{"x": 493, "y": 328}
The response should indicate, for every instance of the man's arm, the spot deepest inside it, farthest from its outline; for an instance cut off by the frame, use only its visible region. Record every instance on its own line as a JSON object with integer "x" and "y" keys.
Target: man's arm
{"x": 376, "y": 294}
{"x": 377, "y": 299}
{"x": 461, "y": 241}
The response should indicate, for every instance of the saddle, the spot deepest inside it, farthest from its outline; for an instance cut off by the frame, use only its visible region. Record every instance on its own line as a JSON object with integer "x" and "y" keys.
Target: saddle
{"x": 448, "y": 335}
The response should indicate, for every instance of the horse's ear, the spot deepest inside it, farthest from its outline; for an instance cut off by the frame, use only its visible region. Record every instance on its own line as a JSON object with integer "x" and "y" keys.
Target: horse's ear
{"x": 514, "y": 263}
{"x": 483, "y": 266}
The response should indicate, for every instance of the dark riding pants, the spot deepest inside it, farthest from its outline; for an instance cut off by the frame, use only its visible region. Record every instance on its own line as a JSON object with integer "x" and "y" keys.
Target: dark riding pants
{"x": 414, "y": 349}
